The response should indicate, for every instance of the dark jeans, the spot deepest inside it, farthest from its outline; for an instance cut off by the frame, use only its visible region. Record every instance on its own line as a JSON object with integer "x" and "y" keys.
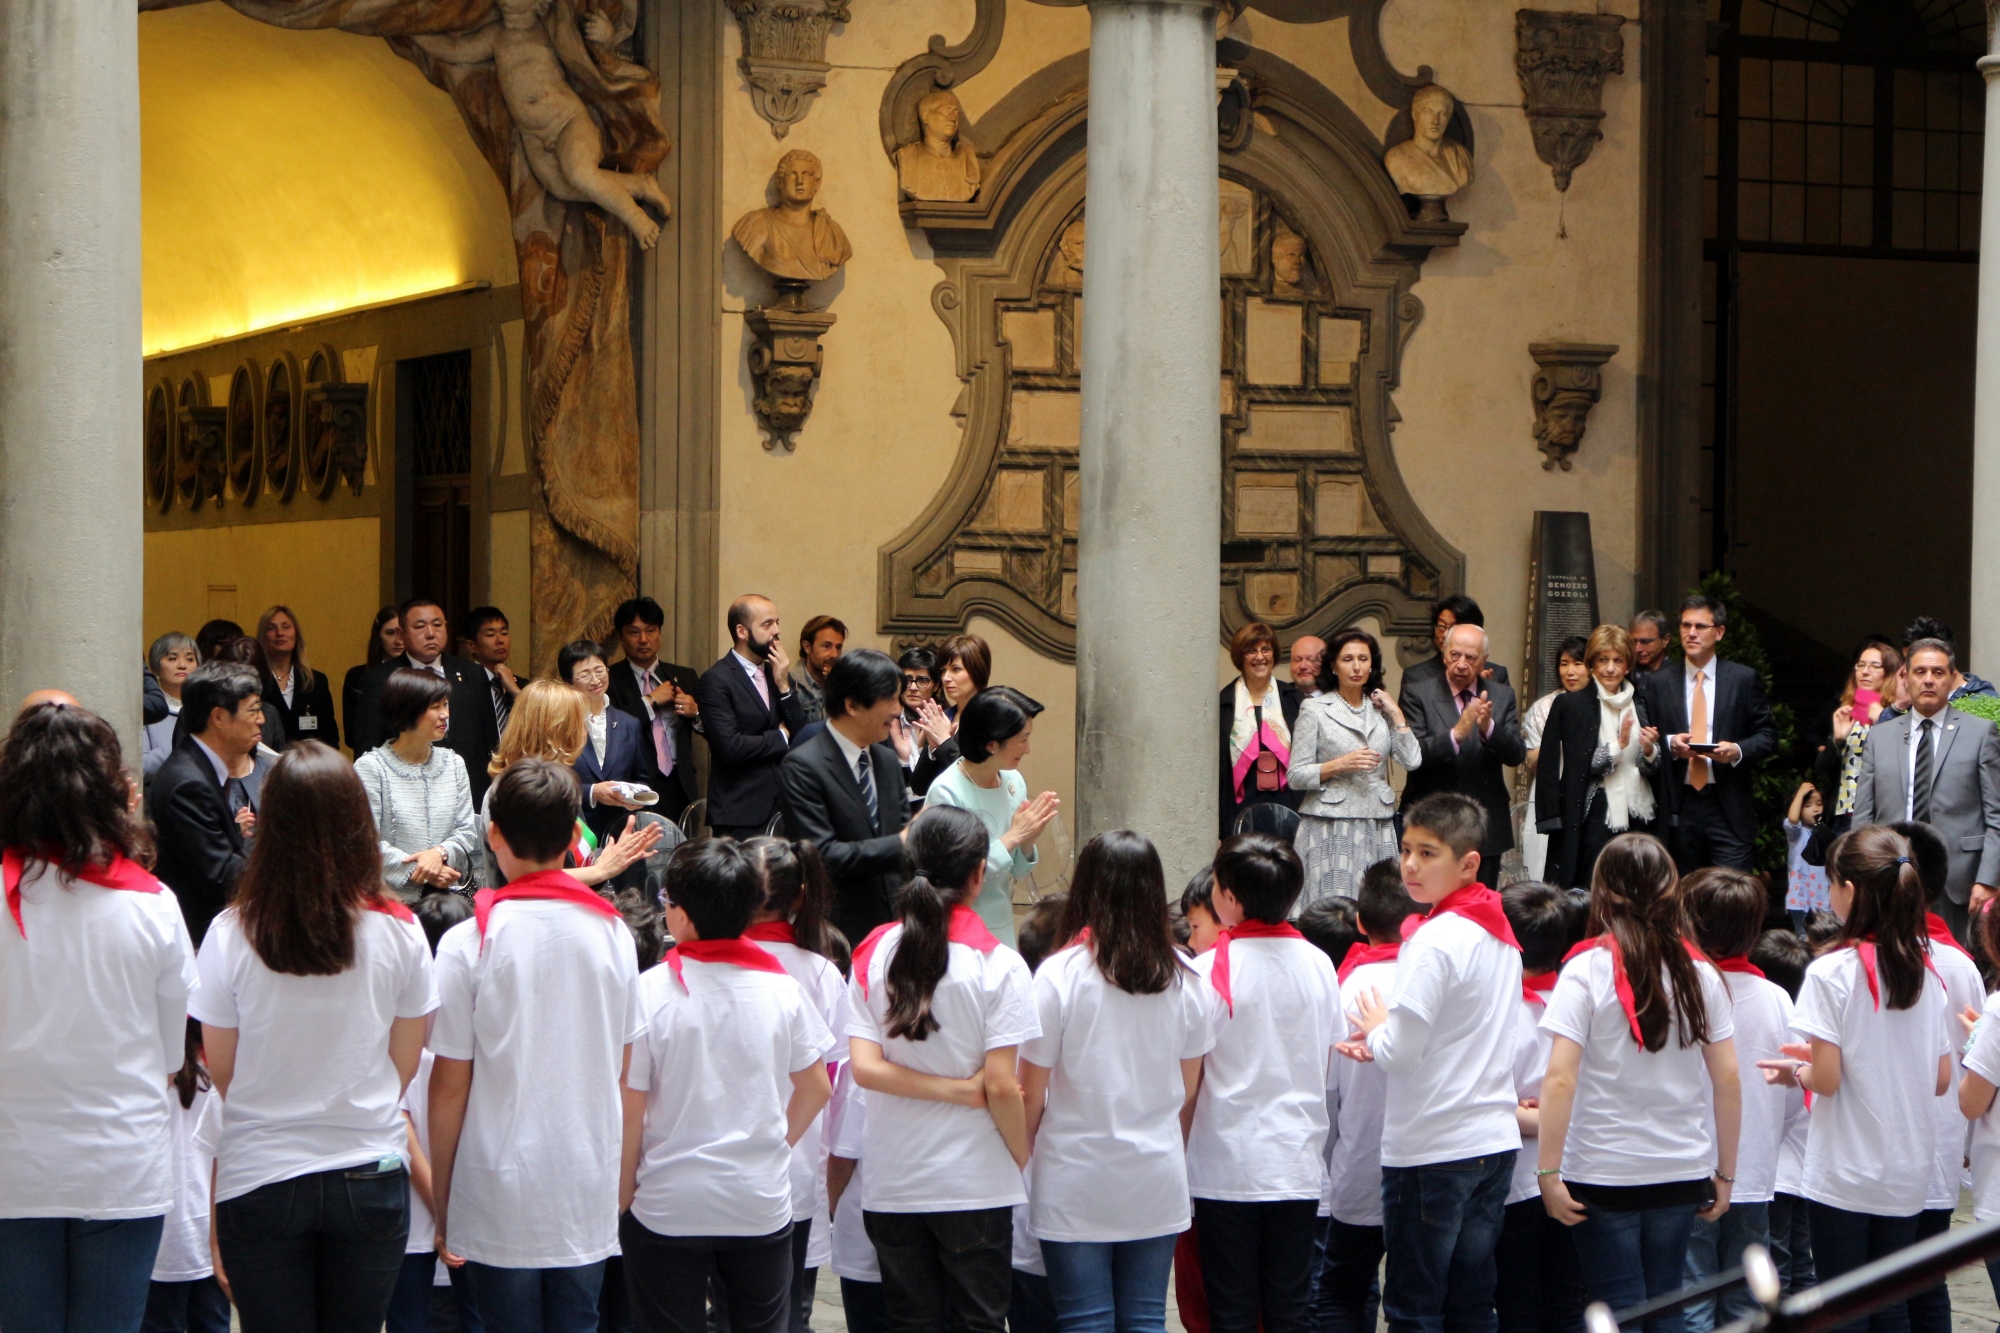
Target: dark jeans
{"x": 1631, "y": 1255}
{"x": 667, "y": 1278}
{"x": 413, "y": 1308}
{"x": 804, "y": 1280}
{"x": 1930, "y": 1311}
{"x": 319, "y": 1252}
{"x": 934, "y": 1264}
{"x": 1791, "y": 1243}
{"x": 862, "y": 1303}
{"x": 1256, "y": 1263}
{"x": 1110, "y": 1286}
{"x": 1347, "y": 1292}
{"x": 1701, "y": 834}
{"x": 62, "y": 1273}
{"x": 1031, "y": 1305}
{"x": 1716, "y": 1247}
{"x": 1189, "y": 1298}
{"x": 538, "y": 1300}
{"x": 1844, "y": 1241}
{"x": 1441, "y": 1225}
{"x": 1538, "y": 1281}
{"x": 186, "y": 1307}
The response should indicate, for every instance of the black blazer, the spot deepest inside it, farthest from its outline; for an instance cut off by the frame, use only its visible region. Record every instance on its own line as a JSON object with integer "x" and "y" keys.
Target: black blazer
{"x": 1562, "y": 779}
{"x": 823, "y": 804}
{"x": 1738, "y": 713}
{"x": 201, "y": 850}
{"x": 312, "y": 719}
{"x": 1228, "y": 807}
{"x": 623, "y": 734}
{"x": 678, "y": 788}
{"x": 744, "y": 742}
{"x": 352, "y": 691}
{"x": 475, "y": 731}
{"x": 1476, "y": 768}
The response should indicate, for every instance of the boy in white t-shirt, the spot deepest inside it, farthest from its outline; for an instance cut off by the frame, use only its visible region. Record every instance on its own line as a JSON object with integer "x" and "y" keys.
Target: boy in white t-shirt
{"x": 1726, "y": 909}
{"x": 1254, "y": 1151}
{"x": 1980, "y": 1075}
{"x": 1783, "y": 957}
{"x": 1446, "y": 1039}
{"x": 184, "y": 1294}
{"x": 538, "y": 1007}
{"x": 729, "y": 1072}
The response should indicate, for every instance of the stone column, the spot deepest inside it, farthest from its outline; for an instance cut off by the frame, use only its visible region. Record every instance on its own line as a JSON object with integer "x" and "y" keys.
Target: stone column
{"x": 1148, "y": 549}
{"x": 1984, "y": 647}
{"x": 71, "y": 510}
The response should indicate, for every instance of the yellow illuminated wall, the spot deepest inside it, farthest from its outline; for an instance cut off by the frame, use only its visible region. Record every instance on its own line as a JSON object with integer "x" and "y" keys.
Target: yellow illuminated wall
{"x": 292, "y": 174}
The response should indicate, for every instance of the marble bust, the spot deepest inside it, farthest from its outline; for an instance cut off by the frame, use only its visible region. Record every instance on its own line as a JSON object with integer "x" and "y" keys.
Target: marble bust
{"x": 942, "y": 165}
{"x": 1428, "y": 165}
{"x": 793, "y": 241}
{"x": 1288, "y": 263}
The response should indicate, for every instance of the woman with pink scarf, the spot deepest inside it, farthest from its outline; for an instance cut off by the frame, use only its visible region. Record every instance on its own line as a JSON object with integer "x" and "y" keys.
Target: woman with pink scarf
{"x": 1258, "y": 711}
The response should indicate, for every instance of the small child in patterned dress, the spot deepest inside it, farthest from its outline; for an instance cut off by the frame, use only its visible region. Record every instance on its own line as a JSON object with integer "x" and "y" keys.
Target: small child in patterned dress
{"x": 1805, "y": 885}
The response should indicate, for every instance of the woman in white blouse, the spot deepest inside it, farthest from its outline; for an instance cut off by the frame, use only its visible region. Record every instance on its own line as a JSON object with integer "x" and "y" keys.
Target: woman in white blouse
{"x": 418, "y": 790}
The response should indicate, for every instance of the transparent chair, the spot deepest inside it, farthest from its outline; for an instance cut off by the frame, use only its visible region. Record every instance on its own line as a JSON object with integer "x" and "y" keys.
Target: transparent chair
{"x": 1267, "y": 817}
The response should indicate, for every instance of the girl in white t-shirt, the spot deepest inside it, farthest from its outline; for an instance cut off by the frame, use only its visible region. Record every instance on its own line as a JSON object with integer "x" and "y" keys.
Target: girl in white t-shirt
{"x": 1976, "y": 1099}
{"x": 314, "y": 987}
{"x": 185, "y": 1297}
{"x": 1124, "y": 1026}
{"x": 1635, "y": 1020}
{"x": 790, "y": 923}
{"x": 936, "y": 1012}
{"x": 1875, "y": 1059}
{"x": 95, "y": 968}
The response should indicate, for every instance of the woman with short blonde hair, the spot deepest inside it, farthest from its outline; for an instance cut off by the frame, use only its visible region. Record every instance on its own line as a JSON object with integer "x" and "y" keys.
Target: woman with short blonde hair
{"x": 1594, "y": 778}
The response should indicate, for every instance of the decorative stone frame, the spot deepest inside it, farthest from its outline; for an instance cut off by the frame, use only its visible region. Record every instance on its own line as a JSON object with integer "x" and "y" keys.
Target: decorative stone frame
{"x": 1322, "y": 172}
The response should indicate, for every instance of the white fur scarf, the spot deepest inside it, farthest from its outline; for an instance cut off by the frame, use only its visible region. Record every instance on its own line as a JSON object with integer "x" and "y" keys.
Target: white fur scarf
{"x": 1627, "y": 794}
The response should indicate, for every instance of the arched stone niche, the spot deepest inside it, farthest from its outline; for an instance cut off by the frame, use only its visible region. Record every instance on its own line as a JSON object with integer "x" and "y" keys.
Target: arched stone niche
{"x": 1319, "y": 527}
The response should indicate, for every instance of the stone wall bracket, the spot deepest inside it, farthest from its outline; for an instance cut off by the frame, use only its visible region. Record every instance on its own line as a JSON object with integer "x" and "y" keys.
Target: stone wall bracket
{"x": 1562, "y": 60}
{"x": 335, "y": 432}
{"x": 785, "y": 362}
{"x": 784, "y": 54}
{"x": 1568, "y": 383}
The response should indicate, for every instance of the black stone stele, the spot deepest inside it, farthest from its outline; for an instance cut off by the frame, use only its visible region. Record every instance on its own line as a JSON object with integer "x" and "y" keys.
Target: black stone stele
{"x": 1562, "y": 592}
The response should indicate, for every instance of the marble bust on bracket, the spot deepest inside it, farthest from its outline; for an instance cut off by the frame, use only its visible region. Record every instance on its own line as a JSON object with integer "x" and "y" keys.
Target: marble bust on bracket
{"x": 793, "y": 241}
{"x": 1428, "y": 165}
{"x": 942, "y": 165}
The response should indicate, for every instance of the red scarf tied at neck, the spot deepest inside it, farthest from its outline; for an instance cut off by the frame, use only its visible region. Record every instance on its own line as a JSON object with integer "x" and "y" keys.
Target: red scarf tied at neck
{"x": 965, "y": 928}
{"x": 1865, "y": 950}
{"x": 1362, "y": 954}
{"x": 738, "y": 952}
{"x": 1479, "y": 905}
{"x": 1940, "y": 933}
{"x": 122, "y": 874}
{"x": 1535, "y": 989}
{"x": 1620, "y": 981}
{"x": 542, "y": 886}
{"x": 1218, "y": 975}
{"x": 771, "y": 932}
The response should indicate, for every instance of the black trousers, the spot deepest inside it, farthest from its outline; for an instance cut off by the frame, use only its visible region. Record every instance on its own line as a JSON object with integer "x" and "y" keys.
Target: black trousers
{"x": 667, "y": 1279}
{"x": 1256, "y": 1263}
{"x": 319, "y": 1251}
{"x": 1702, "y": 836}
{"x": 937, "y": 1264}
{"x": 1540, "y": 1281}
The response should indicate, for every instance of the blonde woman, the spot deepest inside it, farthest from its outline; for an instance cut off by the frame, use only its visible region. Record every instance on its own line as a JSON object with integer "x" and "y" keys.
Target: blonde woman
{"x": 1594, "y": 779}
{"x": 550, "y": 721}
{"x": 294, "y": 693}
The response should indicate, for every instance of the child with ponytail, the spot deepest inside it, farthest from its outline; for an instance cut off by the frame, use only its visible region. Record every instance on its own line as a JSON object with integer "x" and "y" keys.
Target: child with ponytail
{"x": 1976, "y": 1100}
{"x": 790, "y": 923}
{"x": 1876, "y": 1057}
{"x": 937, "y": 1010}
{"x": 1626, "y": 1154}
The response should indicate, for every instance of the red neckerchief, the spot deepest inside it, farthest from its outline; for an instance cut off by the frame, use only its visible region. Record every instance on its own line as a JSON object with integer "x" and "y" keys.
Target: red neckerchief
{"x": 122, "y": 874}
{"x": 1535, "y": 989}
{"x": 391, "y": 907}
{"x": 965, "y": 928}
{"x": 769, "y": 932}
{"x": 1218, "y": 975}
{"x": 737, "y": 952}
{"x": 1940, "y": 933}
{"x": 1620, "y": 982}
{"x": 1362, "y": 954}
{"x": 1865, "y": 951}
{"x": 1481, "y": 906}
{"x": 1737, "y": 963}
{"x": 543, "y": 885}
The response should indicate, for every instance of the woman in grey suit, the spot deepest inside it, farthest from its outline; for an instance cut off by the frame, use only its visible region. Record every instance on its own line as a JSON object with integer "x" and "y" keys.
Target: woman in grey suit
{"x": 1341, "y": 748}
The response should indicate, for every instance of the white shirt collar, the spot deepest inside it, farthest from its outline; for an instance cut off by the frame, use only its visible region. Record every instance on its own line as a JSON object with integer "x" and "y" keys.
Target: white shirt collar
{"x": 639, "y": 672}
{"x": 215, "y": 762}
{"x": 1708, "y": 670}
{"x": 849, "y": 751}
{"x": 436, "y": 667}
{"x": 750, "y": 668}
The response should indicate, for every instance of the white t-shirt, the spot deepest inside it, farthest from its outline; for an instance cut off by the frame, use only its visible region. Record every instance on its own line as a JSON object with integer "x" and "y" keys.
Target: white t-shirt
{"x": 1361, "y": 1093}
{"x": 716, "y": 1064}
{"x": 1026, "y": 1254}
{"x": 1873, "y": 1144}
{"x": 93, "y": 1018}
{"x": 1531, "y": 1065}
{"x": 1108, "y": 1163}
{"x": 1640, "y": 1117}
{"x": 315, "y": 1089}
{"x": 184, "y": 1255}
{"x": 1452, "y": 1097}
{"x": 417, "y": 1105}
{"x": 846, "y": 1118}
{"x": 1983, "y": 1059}
{"x": 824, "y": 989}
{"x": 544, "y": 1012}
{"x": 1260, "y": 1122}
{"x": 1964, "y": 989}
{"x": 1763, "y": 1017}
{"x": 932, "y": 1157}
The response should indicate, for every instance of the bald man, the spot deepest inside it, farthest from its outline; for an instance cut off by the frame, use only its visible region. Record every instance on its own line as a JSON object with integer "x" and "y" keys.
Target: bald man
{"x": 750, "y": 712}
{"x": 60, "y": 698}
{"x": 1308, "y": 653}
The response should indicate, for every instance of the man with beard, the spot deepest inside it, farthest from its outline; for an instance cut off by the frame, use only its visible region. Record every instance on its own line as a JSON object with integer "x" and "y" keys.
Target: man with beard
{"x": 750, "y": 712}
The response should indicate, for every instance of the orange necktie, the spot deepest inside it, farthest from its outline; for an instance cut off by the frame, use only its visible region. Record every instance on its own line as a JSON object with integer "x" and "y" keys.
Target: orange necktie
{"x": 1698, "y": 730}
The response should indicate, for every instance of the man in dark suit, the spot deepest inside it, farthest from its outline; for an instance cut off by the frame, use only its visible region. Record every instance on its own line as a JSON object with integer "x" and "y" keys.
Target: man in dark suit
{"x": 661, "y": 695}
{"x": 201, "y": 814}
{"x": 1470, "y": 731}
{"x": 1446, "y": 614}
{"x": 843, "y": 789}
{"x": 475, "y": 729}
{"x": 1706, "y": 796}
{"x": 749, "y": 713}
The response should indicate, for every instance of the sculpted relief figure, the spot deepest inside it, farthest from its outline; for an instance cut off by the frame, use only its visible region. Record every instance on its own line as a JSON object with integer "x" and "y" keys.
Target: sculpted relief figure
{"x": 794, "y": 242}
{"x": 1288, "y": 263}
{"x": 942, "y": 165}
{"x": 1429, "y": 165}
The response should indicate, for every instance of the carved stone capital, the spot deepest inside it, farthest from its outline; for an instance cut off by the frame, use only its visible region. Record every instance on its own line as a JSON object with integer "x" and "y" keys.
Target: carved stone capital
{"x": 199, "y": 455}
{"x": 1567, "y": 386}
{"x": 1562, "y": 60}
{"x": 785, "y": 362}
{"x": 784, "y": 54}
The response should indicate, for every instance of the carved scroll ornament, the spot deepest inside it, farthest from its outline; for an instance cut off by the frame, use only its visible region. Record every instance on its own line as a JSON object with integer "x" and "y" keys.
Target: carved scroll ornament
{"x": 1567, "y": 386}
{"x": 784, "y": 54}
{"x": 1562, "y": 60}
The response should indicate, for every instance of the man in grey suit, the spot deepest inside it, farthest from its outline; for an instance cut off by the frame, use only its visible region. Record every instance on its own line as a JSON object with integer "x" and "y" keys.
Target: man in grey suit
{"x": 1935, "y": 765}
{"x": 1469, "y": 731}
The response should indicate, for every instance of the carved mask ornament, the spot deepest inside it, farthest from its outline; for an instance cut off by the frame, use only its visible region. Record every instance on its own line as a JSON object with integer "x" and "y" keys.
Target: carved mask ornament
{"x": 1567, "y": 386}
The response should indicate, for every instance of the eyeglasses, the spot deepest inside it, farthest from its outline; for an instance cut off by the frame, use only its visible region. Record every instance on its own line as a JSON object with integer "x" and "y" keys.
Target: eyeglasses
{"x": 916, "y": 682}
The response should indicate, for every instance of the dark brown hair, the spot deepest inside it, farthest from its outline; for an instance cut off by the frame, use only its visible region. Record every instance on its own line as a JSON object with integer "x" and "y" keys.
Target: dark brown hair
{"x": 534, "y": 805}
{"x": 1635, "y": 898}
{"x": 948, "y": 846}
{"x": 1726, "y": 910}
{"x": 971, "y": 652}
{"x": 406, "y": 696}
{"x": 1888, "y": 908}
{"x": 377, "y": 654}
{"x": 1118, "y": 893}
{"x": 314, "y": 866}
{"x": 1252, "y": 634}
{"x": 64, "y": 795}
{"x": 796, "y": 887}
